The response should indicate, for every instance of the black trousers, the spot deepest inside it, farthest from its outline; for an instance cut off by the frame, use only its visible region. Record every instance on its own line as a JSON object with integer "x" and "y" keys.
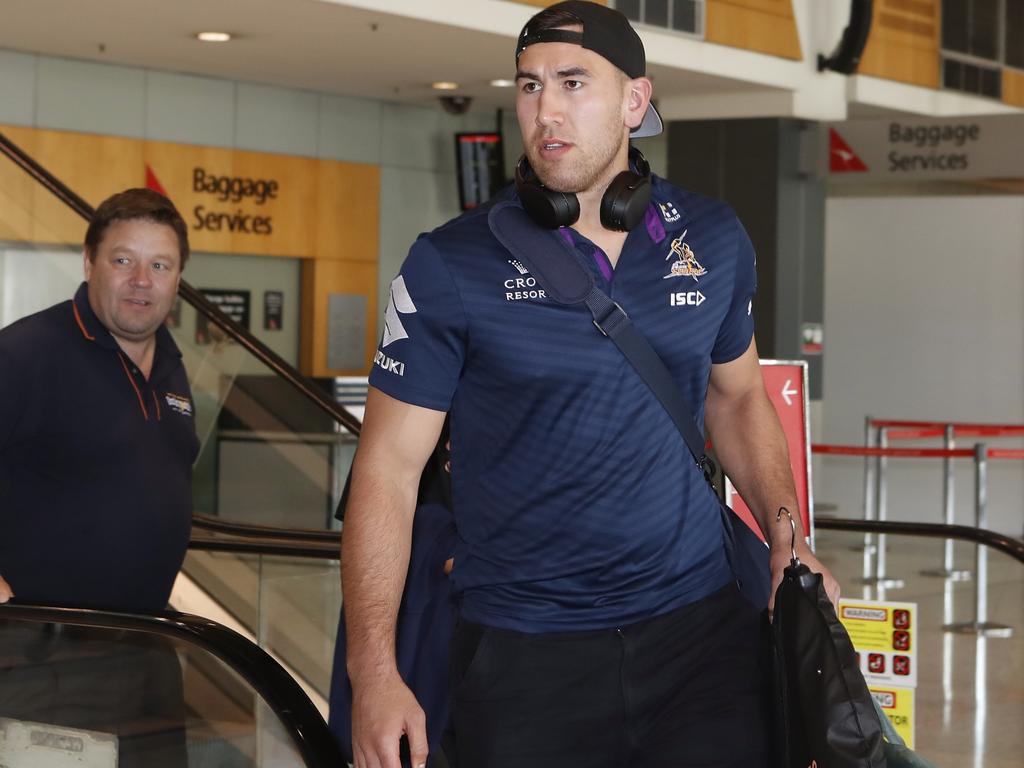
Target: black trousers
{"x": 682, "y": 690}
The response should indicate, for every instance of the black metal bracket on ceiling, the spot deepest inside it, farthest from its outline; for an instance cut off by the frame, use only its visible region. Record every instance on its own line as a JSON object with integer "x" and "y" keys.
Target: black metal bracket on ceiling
{"x": 846, "y": 57}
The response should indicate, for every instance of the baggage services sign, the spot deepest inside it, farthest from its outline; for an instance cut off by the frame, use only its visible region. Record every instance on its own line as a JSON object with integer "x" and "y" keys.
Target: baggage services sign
{"x": 907, "y": 149}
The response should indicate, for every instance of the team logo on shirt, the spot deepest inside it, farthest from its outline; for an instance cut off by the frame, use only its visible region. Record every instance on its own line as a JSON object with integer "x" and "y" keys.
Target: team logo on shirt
{"x": 179, "y": 404}
{"x": 399, "y": 304}
{"x": 686, "y": 264}
{"x": 669, "y": 212}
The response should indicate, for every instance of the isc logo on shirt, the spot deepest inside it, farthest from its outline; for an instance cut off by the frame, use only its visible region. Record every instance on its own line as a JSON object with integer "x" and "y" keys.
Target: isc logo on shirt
{"x": 686, "y": 299}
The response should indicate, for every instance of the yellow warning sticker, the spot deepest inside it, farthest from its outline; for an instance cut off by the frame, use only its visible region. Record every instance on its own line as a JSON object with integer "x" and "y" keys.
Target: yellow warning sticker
{"x": 898, "y": 705}
{"x": 884, "y": 636}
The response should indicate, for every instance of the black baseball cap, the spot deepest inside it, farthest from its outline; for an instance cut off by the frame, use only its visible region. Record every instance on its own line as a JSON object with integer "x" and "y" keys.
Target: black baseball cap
{"x": 607, "y": 33}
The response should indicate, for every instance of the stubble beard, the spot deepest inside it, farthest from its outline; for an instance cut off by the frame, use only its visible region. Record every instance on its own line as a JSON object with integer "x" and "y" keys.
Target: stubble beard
{"x": 589, "y": 167}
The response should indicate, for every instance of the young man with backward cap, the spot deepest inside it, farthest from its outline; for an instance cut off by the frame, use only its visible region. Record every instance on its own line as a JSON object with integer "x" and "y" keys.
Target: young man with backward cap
{"x": 600, "y": 620}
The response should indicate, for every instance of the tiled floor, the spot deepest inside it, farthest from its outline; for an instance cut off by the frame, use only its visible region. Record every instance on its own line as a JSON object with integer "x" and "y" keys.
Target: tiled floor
{"x": 970, "y": 694}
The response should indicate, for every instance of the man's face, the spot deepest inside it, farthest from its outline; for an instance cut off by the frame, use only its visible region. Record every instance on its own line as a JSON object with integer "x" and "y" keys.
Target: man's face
{"x": 571, "y": 104}
{"x": 134, "y": 277}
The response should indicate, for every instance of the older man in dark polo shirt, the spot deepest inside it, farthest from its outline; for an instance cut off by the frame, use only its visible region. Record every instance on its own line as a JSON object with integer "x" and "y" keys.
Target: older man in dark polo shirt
{"x": 97, "y": 431}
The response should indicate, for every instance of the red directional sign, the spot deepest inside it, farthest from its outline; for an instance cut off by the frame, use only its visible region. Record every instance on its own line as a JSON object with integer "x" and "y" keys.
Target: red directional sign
{"x": 786, "y": 386}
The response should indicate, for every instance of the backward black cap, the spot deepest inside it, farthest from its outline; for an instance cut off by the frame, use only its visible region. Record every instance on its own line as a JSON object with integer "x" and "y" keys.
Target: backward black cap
{"x": 607, "y": 33}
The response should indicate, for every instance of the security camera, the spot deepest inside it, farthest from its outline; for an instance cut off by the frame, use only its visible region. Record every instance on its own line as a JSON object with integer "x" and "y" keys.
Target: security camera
{"x": 455, "y": 105}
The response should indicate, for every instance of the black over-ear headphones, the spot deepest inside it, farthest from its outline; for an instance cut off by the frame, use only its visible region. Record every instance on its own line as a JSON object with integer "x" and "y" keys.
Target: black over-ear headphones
{"x": 622, "y": 205}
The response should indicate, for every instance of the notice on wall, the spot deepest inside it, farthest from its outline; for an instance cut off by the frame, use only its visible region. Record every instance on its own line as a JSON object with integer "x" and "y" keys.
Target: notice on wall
{"x": 232, "y": 302}
{"x": 273, "y": 310}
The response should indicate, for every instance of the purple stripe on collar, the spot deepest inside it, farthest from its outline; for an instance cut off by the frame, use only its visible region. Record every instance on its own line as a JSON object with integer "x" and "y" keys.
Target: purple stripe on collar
{"x": 655, "y": 228}
{"x": 600, "y": 257}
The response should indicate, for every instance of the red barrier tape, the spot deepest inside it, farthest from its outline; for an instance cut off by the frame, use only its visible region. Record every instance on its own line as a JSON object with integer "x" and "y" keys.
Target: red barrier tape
{"x": 1006, "y": 453}
{"x": 918, "y": 453}
{"x": 913, "y": 430}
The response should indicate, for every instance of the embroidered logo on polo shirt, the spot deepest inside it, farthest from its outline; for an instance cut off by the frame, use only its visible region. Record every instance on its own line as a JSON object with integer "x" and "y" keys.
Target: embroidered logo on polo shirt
{"x": 686, "y": 299}
{"x": 179, "y": 403}
{"x": 669, "y": 212}
{"x": 519, "y": 266}
{"x": 399, "y": 304}
{"x": 389, "y": 364}
{"x": 686, "y": 264}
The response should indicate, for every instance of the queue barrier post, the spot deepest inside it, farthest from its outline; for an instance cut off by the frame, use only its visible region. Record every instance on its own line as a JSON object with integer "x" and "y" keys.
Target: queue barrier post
{"x": 981, "y": 626}
{"x": 869, "y": 498}
{"x": 948, "y": 569}
{"x": 881, "y": 579}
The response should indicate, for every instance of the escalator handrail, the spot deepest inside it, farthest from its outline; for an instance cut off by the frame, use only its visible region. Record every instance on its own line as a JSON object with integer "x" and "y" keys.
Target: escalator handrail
{"x": 1006, "y": 544}
{"x": 251, "y": 530}
{"x": 289, "y": 702}
{"x": 257, "y": 348}
{"x": 283, "y": 547}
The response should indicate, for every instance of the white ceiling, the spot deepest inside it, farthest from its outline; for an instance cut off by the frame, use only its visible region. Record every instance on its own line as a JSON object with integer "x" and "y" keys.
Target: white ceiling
{"x": 322, "y": 46}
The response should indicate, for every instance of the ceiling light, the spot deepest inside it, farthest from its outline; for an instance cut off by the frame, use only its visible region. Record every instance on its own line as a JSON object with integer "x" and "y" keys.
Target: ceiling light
{"x": 213, "y": 37}
{"x": 502, "y": 83}
{"x": 445, "y": 86}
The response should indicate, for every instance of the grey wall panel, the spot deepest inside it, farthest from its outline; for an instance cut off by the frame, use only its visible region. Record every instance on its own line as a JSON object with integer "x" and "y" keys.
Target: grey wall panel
{"x": 349, "y": 129}
{"x": 73, "y": 95}
{"x": 17, "y": 88}
{"x": 272, "y": 119}
{"x": 189, "y": 109}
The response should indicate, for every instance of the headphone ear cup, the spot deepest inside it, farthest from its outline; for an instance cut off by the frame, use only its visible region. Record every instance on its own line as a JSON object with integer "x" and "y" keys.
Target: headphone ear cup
{"x": 548, "y": 208}
{"x": 625, "y": 201}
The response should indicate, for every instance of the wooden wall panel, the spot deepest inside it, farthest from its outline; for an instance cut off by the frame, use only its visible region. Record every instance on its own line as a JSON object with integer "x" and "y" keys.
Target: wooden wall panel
{"x": 904, "y": 42}
{"x": 348, "y": 202}
{"x": 320, "y": 278}
{"x": 1013, "y": 87}
{"x": 764, "y": 26}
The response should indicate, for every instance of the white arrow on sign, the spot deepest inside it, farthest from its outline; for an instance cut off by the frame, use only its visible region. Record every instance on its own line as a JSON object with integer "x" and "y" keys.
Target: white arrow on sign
{"x": 787, "y": 392}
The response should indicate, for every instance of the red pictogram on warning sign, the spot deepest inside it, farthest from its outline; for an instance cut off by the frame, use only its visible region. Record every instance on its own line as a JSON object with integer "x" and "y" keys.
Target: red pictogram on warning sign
{"x": 876, "y": 663}
{"x": 152, "y": 182}
{"x": 901, "y": 640}
{"x": 901, "y": 665}
{"x": 901, "y": 618}
{"x": 842, "y": 159}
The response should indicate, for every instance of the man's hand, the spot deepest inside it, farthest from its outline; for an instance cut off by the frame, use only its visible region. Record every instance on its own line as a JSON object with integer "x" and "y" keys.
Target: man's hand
{"x": 381, "y": 712}
{"x": 6, "y": 593}
{"x": 780, "y": 558}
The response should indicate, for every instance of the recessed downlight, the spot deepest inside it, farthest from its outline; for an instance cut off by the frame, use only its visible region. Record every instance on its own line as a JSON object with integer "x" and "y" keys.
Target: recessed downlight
{"x": 444, "y": 85}
{"x": 213, "y": 37}
{"x": 503, "y": 83}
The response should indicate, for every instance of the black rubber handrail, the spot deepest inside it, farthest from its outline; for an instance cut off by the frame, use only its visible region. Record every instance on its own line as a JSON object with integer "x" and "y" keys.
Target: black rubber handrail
{"x": 297, "y": 713}
{"x": 290, "y": 547}
{"x": 216, "y": 525}
{"x": 257, "y": 348}
{"x": 1005, "y": 544}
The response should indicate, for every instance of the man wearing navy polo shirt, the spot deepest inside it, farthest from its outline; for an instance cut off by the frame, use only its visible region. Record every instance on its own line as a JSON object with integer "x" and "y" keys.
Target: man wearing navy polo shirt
{"x": 600, "y": 623}
{"x": 97, "y": 434}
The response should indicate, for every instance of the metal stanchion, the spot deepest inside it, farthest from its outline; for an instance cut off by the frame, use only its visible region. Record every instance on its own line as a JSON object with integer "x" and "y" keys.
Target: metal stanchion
{"x": 869, "y": 498}
{"x": 880, "y": 578}
{"x": 981, "y": 626}
{"x": 948, "y": 571}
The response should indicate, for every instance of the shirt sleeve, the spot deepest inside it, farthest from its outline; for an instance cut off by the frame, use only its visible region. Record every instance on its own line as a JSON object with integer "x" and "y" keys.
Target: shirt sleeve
{"x": 737, "y": 328}
{"x": 421, "y": 352}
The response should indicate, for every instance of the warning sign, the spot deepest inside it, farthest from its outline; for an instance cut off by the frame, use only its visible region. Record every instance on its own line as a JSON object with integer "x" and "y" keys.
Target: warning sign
{"x": 898, "y": 705}
{"x": 884, "y": 636}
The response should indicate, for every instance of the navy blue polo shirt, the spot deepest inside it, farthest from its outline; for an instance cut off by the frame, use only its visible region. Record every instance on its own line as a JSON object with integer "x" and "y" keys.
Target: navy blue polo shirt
{"x": 95, "y": 463}
{"x": 576, "y": 501}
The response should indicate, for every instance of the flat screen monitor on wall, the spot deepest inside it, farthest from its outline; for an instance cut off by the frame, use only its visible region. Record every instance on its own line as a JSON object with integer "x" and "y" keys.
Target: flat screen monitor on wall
{"x": 481, "y": 167}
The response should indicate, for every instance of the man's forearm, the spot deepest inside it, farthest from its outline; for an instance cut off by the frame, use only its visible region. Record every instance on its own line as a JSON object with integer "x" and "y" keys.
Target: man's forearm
{"x": 751, "y": 447}
{"x": 374, "y": 560}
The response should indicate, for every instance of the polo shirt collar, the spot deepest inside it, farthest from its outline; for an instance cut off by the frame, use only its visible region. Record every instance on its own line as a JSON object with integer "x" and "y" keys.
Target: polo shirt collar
{"x": 93, "y": 330}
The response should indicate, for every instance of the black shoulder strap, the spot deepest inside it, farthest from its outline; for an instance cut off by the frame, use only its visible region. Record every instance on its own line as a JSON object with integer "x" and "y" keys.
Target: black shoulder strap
{"x": 559, "y": 271}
